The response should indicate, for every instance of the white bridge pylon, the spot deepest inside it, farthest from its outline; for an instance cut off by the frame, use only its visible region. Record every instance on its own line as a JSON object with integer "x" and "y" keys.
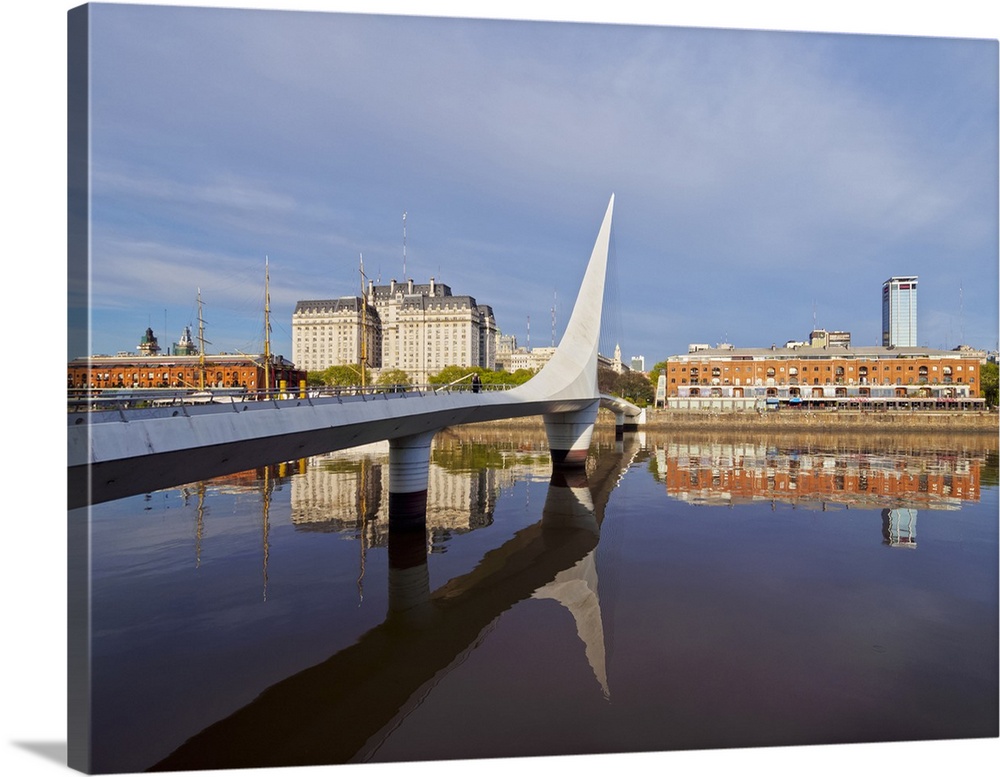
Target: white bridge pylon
{"x": 119, "y": 453}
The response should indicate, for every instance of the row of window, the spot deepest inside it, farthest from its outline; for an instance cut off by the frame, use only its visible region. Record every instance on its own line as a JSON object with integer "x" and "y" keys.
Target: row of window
{"x": 910, "y": 381}
{"x": 840, "y": 369}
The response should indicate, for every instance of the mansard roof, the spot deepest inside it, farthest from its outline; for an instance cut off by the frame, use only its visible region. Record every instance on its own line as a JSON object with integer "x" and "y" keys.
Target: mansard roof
{"x": 332, "y": 305}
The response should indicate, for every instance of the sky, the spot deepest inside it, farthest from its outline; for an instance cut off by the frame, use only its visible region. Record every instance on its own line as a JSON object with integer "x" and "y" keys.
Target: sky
{"x": 766, "y": 182}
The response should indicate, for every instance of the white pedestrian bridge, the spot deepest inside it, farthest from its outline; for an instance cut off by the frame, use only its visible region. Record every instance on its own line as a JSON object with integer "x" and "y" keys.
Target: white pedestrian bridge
{"x": 123, "y": 452}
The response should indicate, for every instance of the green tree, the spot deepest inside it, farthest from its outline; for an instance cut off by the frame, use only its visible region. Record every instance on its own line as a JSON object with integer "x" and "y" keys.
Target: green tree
{"x": 394, "y": 377}
{"x": 518, "y": 377}
{"x": 988, "y": 383}
{"x": 451, "y": 373}
{"x": 454, "y": 372}
{"x": 654, "y": 374}
{"x": 631, "y": 386}
{"x": 636, "y": 389}
{"x": 608, "y": 381}
{"x": 341, "y": 375}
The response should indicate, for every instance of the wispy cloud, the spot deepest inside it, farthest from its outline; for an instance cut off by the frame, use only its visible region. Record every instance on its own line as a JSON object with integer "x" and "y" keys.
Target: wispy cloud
{"x": 754, "y": 171}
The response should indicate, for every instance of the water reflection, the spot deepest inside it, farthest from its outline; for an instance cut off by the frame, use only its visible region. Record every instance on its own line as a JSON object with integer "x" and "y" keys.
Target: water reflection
{"x": 902, "y": 476}
{"x": 342, "y": 709}
{"x": 816, "y": 475}
{"x": 240, "y": 616}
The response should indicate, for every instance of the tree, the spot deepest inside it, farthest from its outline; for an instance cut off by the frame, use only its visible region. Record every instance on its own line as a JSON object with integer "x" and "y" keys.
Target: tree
{"x": 454, "y": 372}
{"x": 988, "y": 382}
{"x": 636, "y": 389}
{"x": 607, "y": 381}
{"x": 394, "y": 377}
{"x": 654, "y": 374}
{"x": 342, "y": 375}
{"x": 450, "y": 374}
{"x": 631, "y": 386}
{"x": 518, "y": 377}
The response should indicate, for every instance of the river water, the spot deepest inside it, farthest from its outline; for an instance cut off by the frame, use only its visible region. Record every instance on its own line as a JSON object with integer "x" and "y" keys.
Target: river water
{"x": 687, "y": 592}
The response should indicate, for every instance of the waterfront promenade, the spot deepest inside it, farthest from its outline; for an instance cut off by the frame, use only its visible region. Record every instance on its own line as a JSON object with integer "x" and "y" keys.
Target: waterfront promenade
{"x": 819, "y": 421}
{"x": 984, "y": 422}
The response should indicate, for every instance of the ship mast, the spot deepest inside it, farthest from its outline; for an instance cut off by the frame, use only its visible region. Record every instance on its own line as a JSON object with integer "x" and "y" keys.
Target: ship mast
{"x": 201, "y": 346}
{"x": 267, "y": 328}
{"x": 364, "y": 320}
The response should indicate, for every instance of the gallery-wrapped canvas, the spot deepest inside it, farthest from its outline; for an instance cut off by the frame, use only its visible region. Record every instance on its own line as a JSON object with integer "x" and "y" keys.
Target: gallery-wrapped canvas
{"x": 459, "y": 389}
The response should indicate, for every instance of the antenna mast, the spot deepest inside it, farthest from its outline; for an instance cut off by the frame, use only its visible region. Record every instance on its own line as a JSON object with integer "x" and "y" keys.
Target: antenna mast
{"x": 404, "y": 246}
{"x": 961, "y": 314}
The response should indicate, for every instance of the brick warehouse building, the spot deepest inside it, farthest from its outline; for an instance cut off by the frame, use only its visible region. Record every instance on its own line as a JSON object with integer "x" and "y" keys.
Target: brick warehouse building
{"x": 802, "y": 375}
{"x": 150, "y": 369}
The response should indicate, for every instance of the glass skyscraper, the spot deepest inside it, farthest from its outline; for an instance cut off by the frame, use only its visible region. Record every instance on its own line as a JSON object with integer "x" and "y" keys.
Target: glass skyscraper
{"x": 899, "y": 311}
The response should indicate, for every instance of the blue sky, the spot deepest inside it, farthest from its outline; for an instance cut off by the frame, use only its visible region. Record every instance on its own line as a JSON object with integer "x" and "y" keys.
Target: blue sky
{"x": 764, "y": 180}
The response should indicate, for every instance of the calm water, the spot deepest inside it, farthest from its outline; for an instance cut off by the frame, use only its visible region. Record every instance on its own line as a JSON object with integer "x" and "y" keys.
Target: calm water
{"x": 690, "y": 592}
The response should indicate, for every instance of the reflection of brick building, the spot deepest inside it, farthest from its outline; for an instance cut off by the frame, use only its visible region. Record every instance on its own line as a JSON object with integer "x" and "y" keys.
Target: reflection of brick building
{"x": 726, "y": 474}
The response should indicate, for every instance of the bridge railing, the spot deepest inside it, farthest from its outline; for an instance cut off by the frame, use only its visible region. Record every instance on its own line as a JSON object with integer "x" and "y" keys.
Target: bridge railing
{"x": 86, "y": 400}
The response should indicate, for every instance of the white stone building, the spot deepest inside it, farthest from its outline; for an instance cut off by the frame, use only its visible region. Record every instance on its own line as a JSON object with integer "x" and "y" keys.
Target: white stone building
{"x": 418, "y": 328}
{"x": 326, "y": 332}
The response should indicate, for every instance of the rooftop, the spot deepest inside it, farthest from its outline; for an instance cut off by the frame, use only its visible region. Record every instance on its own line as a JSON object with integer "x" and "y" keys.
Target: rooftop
{"x": 824, "y": 352}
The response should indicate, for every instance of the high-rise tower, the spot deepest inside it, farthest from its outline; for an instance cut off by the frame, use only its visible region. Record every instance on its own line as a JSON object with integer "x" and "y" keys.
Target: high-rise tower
{"x": 899, "y": 311}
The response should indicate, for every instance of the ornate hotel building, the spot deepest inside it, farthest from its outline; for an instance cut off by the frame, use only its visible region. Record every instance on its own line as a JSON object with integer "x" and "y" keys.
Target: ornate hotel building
{"x": 328, "y": 331}
{"x": 418, "y": 328}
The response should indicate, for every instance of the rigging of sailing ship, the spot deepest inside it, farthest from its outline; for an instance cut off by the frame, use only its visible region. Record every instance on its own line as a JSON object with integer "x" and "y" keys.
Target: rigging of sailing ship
{"x": 363, "y": 316}
{"x": 201, "y": 345}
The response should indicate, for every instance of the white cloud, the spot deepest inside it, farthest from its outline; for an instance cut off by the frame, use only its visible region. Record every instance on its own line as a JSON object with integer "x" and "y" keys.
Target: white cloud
{"x": 734, "y": 155}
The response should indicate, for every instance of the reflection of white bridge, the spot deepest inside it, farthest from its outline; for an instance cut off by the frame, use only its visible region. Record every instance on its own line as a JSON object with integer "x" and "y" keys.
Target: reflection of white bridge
{"x": 342, "y": 709}
{"x": 113, "y": 454}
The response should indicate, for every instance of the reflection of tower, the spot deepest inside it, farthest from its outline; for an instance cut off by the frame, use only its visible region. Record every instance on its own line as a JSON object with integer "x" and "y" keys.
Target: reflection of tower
{"x": 899, "y": 527}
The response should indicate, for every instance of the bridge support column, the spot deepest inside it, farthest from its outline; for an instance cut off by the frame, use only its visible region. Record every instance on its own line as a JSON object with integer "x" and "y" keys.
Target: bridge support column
{"x": 633, "y": 422}
{"x": 569, "y": 435}
{"x": 569, "y": 503}
{"x": 409, "y": 461}
{"x": 619, "y": 424}
{"x": 409, "y": 578}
